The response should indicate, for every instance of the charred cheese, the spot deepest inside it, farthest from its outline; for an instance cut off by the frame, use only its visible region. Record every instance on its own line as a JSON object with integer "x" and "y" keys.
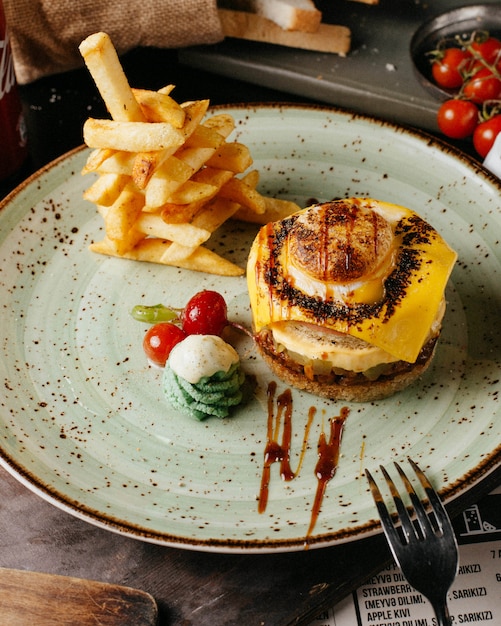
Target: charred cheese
{"x": 364, "y": 268}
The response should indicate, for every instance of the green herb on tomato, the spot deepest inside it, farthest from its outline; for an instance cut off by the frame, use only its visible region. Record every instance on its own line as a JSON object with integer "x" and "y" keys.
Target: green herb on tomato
{"x": 151, "y": 314}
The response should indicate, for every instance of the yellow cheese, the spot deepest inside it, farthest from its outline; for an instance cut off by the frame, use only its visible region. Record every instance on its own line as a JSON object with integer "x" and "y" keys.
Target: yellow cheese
{"x": 313, "y": 343}
{"x": 413, "y": 287}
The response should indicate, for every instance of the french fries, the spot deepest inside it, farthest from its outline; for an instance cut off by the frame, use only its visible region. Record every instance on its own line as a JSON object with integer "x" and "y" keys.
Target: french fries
{"x": 166, "y": 177}
{"x": 104, "y": 65}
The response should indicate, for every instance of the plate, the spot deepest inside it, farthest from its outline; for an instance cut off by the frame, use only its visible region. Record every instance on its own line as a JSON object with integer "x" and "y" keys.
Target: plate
{"x": 83, "y": 420}
{"x": 462, "y": 21}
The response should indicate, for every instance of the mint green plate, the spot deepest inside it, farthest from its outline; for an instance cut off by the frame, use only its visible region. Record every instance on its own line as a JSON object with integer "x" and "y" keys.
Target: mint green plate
{"x": 83, "y": 420}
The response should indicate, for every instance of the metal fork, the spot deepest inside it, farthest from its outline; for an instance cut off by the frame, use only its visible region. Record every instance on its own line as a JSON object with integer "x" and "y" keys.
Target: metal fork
{"x": 423, "y": 544}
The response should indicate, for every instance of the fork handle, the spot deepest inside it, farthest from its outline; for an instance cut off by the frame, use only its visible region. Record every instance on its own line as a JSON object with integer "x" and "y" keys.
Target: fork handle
{"x": 442, "y": 614}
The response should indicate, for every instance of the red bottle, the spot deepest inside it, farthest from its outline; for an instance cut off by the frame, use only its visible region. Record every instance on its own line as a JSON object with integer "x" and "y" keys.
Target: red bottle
{"x": 13, "y": 149}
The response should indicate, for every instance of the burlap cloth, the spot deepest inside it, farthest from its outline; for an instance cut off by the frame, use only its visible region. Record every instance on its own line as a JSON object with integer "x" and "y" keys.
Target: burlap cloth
{"x": 45, "y": 34}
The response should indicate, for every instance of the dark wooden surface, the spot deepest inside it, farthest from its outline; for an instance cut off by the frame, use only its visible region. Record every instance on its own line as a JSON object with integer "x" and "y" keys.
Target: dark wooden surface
{"x": 189, "y": 587}
{"x": 45, "y": 599}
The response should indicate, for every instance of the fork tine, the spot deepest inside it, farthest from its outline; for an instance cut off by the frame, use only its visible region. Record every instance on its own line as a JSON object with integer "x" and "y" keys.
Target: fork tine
{"x": 423, "y": 520}
{"x": 439, "y": 511}
{"x": 386, "y": 521}
{"x": 405, "y": 520}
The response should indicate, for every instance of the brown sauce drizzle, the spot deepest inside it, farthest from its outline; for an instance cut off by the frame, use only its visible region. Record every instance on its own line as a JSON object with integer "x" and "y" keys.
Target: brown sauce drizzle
{"x": 328, "y": 457}
{"x": 280, "y": 451}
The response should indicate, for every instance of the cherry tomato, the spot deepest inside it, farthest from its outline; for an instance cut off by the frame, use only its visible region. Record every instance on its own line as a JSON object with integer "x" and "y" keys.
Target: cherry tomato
{"x": 482, "y": 86}
{"x": 159, "y": 341}
{"x": 485, "y": 134}
{"x": 205, "y": 314}
{"x": 446, "y": 69}
{"x": 489, "y": 50}
{"x": 457, "y": 119}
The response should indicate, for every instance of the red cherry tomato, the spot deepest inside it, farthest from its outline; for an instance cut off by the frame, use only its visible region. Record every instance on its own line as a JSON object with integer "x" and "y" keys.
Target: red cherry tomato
{"x": 446, "y": 69}
{"x": 485, "y": 134}
{"x": 205, "y": 314}
{"x": 159, "y": 341}
{"x": 457, "y": 119}
{"x": 489, "y": 50}
{"x": 482, "y": 86}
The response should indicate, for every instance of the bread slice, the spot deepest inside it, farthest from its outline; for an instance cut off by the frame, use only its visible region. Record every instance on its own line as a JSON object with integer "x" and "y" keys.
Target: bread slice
{"x": 329, "y": 38}
{"x": 301, "y": 15}
{"x": 348, "y": 388}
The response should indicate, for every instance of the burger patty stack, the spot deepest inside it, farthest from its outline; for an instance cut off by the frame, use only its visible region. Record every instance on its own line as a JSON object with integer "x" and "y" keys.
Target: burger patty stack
{"x": 347, "y": 297}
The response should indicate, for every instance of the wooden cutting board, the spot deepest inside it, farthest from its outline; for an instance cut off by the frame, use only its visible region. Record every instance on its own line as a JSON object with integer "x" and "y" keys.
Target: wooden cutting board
{"x": 28, "y": 598}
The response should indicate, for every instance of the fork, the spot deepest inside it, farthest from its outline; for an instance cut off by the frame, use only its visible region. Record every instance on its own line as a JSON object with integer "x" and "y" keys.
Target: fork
{"x": 423, "y": 544}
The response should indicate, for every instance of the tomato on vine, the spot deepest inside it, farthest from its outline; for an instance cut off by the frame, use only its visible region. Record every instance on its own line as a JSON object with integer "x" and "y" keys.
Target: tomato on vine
{"x": 469, "y": 67}
{"x": 484, "y": 85}
{"x": 205, "y": 314}
{"x": 448, "y": 66}
{"x": 485, "y": 134}
{"x": 159, "y": 341}
{"x": 488, "y": 48}
{"x": 457, "y": 118}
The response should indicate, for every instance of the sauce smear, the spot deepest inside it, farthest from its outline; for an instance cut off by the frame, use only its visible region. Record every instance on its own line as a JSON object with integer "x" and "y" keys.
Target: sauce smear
{"x": 280, "y": 451}
{"x": 276, "y": 451}
{"x": 328, "y": 457}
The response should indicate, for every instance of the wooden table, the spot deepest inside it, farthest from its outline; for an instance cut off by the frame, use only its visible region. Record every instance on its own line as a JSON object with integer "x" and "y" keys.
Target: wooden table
{"x": 189, "y": 587}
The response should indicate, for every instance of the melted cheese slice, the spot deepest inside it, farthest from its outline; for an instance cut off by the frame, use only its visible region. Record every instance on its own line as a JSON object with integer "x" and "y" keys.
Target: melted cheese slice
{"x": 319, "y": 344}
{"x": 398, "y": 328}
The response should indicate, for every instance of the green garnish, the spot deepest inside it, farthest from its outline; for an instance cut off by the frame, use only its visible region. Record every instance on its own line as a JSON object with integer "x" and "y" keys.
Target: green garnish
{"x": 153, "y": 314}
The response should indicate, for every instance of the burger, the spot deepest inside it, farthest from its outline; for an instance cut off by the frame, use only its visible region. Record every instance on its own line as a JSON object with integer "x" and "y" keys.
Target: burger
{"x": 347, "y": 297}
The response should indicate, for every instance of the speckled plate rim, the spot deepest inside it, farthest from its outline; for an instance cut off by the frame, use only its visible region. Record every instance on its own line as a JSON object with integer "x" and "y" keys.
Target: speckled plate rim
{"x": 453, "y": 489}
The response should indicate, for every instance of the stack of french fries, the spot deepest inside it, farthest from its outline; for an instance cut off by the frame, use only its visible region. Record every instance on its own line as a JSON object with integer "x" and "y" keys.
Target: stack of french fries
{"x": 167, "y": 176}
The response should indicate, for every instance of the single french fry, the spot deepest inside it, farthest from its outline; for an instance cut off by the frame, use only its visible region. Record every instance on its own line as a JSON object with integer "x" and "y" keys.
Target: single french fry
{"x": 179, "y": 213}
{"x": 233, "y": 156}
{"x": 159, "y": 107}
{"x": 223, "y": 123}
{"x": 212, "y": 176}
{"x": 145, "y": 163}
{"x": 239, "y": 191}
{"x": 166, "y": 179}
{"x": 204, "y": 137}
{"x": 194, "y": 111}
{"x": 192, "y": 191}
{"x": 154, "y": 250}
{"x": 153, "y": 226}
{"x": 113, "y": 248}
{"x": 104, "y": 66}
{"x": 106, "y": 189}
{"x": 251, "y": 178}
{"x": 215, "y": 214}
{"x": 117, "y": 163}
{"x": 276, "y": 209}
{"x": 203, "y": 185}
{"x": 207, "y": 261}
{"x": 167, "y": 89}
{"x": 121, "y": 217}
{"x": 131, "y": 136}
{"x": 95, "y": 158}
{"x": 194, "y": 157}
